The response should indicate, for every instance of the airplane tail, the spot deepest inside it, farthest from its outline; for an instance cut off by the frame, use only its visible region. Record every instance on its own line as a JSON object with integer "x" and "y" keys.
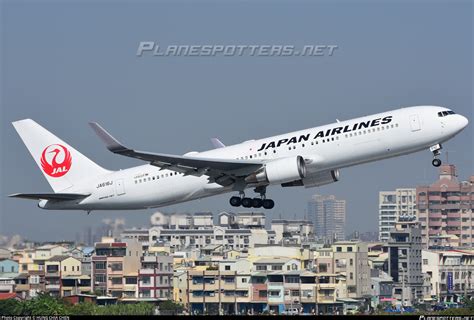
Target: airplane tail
{"x": 62, "y": 165}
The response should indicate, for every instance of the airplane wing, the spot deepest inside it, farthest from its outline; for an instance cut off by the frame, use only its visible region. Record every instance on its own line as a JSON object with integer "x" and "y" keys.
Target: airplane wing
{"x": 214, "y": 168}
{"x": 50, "y": 196}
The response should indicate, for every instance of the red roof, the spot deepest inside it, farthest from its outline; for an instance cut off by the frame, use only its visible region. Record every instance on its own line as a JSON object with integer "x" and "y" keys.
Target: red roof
{"x": 5, "y": 296}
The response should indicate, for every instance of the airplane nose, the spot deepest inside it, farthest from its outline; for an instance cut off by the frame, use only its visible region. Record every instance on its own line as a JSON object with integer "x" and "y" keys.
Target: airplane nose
{"x": 463, "y": 121}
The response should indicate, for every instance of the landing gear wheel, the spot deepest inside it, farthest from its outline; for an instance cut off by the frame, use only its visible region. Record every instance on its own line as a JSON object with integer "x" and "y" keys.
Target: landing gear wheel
{"x": 247, "y": 202}
{"x": 436, "y": 162}
{"x": 257, "y": 202}
{"x": 235, "y": 201}
{"x": 268, "y": 203}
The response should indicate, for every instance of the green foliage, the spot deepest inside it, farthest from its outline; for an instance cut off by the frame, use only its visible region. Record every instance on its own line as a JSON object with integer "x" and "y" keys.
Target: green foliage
{"x": 468, "y": 304}
{"x": 10, "y": 307}
{"x": 47, "y": 305}
{"x": 455, "y": 312}
{"x": 170, "y": 307}
{"x": 44, "y": 305}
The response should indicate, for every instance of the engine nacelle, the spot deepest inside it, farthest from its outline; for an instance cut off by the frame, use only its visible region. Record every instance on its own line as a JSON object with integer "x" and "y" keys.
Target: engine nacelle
{"x": 315, "y": 179}
{"x": 321, "y": 178}
{"x": 280, "y": 171}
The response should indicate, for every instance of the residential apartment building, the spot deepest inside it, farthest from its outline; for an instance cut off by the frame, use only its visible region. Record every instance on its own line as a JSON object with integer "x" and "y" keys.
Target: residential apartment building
{"x": 8, "y": 273}
{"x": 293, "y": 232}
{"x": 239, "y": 239}
{"x": 404, "y": 266}
{"x": 451, "y": 274}
{"x": 351, "y": 259}
{"x": 445, "y": 210}
{"x": 268, "y": 284}
{"x": 328, "y": 216}
{"x": 63, "y": 276}
{"x": 155, "y": 277}
{"x": 113, "y": 264}
{"x": 392, "y": 206}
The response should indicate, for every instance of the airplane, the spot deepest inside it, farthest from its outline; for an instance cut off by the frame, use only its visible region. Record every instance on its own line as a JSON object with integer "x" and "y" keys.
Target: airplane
{"x": 306, "y": 158}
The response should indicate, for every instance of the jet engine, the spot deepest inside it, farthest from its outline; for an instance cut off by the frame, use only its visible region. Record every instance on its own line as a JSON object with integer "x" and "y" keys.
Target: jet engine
{"x": 279, "y": 171}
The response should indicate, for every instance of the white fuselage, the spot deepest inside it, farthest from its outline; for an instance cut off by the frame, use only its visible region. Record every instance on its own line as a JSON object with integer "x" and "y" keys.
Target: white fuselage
{"x": 341, "y": 144}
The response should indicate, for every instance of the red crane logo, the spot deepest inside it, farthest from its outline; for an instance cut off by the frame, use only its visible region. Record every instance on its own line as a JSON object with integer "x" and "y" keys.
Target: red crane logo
{"x": 59, "y": 163}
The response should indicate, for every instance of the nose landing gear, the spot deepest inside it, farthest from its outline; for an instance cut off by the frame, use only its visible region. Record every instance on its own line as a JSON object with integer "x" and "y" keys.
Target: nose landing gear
{"x": 436, "y": 152}
{"x": 436, "y": 162}
{"x": 253, "y": 203}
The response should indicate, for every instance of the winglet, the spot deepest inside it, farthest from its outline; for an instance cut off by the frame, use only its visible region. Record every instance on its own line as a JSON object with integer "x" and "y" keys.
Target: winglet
{"x": 217, "y": 143}
{"x": 111, "y": 143}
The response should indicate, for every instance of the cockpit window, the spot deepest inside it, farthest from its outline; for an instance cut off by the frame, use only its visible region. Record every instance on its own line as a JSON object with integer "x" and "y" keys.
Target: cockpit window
{"x": 445, "y": 113}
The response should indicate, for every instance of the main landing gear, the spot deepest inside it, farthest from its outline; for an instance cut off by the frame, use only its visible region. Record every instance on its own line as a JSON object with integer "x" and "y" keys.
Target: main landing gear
{"x": 436, "y": 152}
{"x": 252, "y": 202}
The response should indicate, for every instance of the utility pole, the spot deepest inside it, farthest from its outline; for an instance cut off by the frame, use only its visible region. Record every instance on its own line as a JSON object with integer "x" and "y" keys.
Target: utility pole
{"x": 203, "y": 293}
{"x": 403, "y": 289}
{"x": 219, "y": 293}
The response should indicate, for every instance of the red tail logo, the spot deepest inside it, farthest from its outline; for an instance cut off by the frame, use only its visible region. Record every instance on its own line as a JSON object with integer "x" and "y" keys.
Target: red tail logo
{"x": 56, "y": 160}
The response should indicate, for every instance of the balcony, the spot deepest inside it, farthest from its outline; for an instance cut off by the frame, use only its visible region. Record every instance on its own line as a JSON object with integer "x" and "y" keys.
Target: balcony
{"x": 327, "y": 286}
{"x": 22, "y": 287}
{"x": 52, "y": 274}
{"x": 454, "y": 198}
{"x": 206, "y": 286}
{"x": 291, "y": 285}
{"x": 52, "y": 287}
{"x": 455, "y": 232}
{"x": 130, "y": 287}
{"x": 148, "y": 284}
{"x": 228, "y": 285}
{"x": 435, "y": 223}
{"x": 307, "y": 299}
{"x": 147, "y": 271}
{"x": 326, "y": 298}
{"x": 453, "y": 224}
{"x": 452, "y": 206}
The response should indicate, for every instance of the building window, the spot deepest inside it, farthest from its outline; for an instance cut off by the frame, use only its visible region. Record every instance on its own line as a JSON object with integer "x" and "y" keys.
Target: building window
{"x": 100, "y": 278}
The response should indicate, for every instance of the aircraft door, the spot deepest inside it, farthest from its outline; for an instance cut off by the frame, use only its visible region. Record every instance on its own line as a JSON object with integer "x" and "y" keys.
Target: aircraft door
{"x": 119, "y": 187}
{"x": 415, "y": 122}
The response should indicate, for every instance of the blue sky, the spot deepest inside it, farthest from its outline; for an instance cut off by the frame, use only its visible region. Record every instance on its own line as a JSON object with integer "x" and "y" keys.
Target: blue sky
{"x": 67, "y": 63}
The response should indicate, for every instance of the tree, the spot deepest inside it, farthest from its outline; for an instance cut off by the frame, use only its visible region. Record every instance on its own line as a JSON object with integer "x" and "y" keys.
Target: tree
{"x": 10, "y": 307}
{"x": 170, "y": 307}
{"x": 44, "y": 305}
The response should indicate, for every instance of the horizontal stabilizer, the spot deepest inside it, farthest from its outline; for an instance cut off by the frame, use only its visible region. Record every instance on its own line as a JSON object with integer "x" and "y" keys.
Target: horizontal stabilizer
{"x": 50, "y": 196}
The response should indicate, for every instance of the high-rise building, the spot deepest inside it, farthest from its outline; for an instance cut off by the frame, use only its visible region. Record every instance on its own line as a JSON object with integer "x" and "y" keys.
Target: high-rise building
{"x": 392, "y": 206}
{"x": 404, "y": 262}
{"x": 445, "y": 210}
{"x": 328, "y": 216}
